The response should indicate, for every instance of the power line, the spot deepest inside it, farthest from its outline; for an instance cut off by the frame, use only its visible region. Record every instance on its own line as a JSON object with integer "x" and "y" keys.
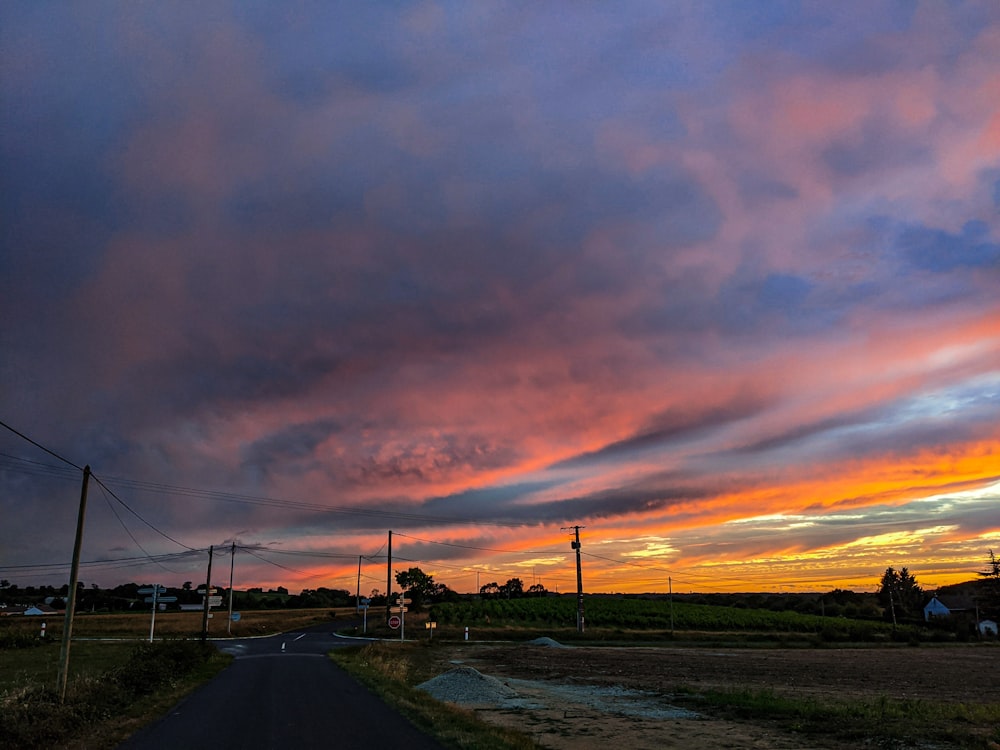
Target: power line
{"x": 274, "y": 502}
{"x": 301, "y": 553}
{"x": 36, "y": 468}
{"x": 278, "y": 565}
{"x": 652, "y": 567}
{"x": 39, "y": 445}
{"x": 467, "y": 546}
{"x": 130, "y": 510}
{"x": 104, "y": 492}
{"x": 113, "y": 562}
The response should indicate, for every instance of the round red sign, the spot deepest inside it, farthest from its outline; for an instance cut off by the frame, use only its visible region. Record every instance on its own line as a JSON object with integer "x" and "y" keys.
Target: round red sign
{"x": 394, "y": 622}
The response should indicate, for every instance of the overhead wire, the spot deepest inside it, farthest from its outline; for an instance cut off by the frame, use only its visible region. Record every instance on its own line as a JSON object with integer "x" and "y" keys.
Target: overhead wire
{"x": 104, "y": 492}
{"x": 468, "y": 546}
{"x": 40, "y": 446}
{"x": 37, "y": 468}
{"x": 125, "y": 505}
{"x": 278, "y": 565}
{"x": 158, "y": 487}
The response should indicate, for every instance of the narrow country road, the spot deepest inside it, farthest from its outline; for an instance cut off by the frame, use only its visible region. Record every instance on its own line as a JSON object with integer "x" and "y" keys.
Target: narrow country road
{"x": 281, "y": 692}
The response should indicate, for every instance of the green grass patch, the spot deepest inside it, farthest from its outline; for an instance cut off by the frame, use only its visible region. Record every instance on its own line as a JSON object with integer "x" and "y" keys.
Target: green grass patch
{"x": 102, "y": 708}
{"x": 39, "y": 666}
{"x": 899, "y": 722}
{"x": 392, "y": 670}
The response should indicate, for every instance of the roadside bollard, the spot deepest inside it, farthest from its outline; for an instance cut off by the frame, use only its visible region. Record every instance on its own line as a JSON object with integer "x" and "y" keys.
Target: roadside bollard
{"x": 466, "y": 632}
{"x": 43, "y": 631}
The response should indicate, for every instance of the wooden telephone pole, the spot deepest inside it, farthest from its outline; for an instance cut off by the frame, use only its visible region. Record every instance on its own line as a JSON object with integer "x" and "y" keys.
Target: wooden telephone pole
{"x": 74, "y": 577}
{"x": 388, "y": 581}
{"x": 208, "y": 595}
{"x": 575, "y": 544}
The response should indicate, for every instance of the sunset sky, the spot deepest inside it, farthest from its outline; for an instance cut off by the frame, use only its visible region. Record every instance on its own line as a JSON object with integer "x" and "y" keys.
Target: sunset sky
{"x": 718, "y": 282}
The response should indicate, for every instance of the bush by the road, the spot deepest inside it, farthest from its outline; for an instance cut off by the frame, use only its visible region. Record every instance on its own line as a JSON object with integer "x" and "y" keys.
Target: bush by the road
{"x": 34, "y": 717}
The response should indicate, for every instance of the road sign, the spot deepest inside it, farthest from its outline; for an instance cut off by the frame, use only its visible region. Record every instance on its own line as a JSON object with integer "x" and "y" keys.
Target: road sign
{"x": 215, "y": 601}
{"x": 149, "y": 589}
{"x": 399, "y": 609}
{"x": 394, "y": 622}
{"x": 149, "y": 599}
{"x": 236, "y": 616}
{"x": 362, "y": 606}
{"x": 213, "y": 590}
{"x": 404, "y": 601}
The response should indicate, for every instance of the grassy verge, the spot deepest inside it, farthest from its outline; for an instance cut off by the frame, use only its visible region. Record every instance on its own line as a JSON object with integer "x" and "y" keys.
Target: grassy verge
{"x": 887, "y": 722}
{"x": 392, "y": 670}
{"x": 101, "y": 709}
{"x": 39, "y": 665}
{"x": 169, "y": 624}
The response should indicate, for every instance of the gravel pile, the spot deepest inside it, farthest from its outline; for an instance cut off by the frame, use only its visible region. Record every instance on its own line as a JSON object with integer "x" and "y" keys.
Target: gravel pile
{"x": 546, "y": 641}
{"x": 468, "y": 686}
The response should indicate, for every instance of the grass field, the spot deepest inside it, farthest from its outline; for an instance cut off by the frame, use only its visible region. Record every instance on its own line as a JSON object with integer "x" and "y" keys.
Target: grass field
{"x": 102, "y": 641}
{"x": 104, "y": 649}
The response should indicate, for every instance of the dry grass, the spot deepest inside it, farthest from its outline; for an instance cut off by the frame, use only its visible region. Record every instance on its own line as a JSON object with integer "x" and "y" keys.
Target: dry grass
{"x": 103, "y": 641}
{"x": 173, "y": 624}
{"x": 391, "y": 670}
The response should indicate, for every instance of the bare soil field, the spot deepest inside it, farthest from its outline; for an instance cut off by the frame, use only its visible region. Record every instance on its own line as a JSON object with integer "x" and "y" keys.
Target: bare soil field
{"x": 561, "y": 718}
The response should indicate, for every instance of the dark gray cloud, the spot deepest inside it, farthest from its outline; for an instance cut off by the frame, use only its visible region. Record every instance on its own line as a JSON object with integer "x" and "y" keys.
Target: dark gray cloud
{"x": 675, "y": 426}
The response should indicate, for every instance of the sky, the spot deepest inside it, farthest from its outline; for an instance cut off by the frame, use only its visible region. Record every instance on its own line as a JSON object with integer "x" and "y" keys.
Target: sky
{"x": 716, "y": 282}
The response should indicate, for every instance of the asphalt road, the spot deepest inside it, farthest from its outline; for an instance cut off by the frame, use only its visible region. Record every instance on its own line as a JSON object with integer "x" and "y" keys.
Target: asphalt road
{"x": 281, "y": 692}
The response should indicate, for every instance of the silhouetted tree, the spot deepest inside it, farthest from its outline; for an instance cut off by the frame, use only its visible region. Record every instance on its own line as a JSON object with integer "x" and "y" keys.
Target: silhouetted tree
{"x": 418, "y": 586}
{"x": 899, "y": 593}
{"x": 490, "y": 590}
{"x": 989, "y": 586}
{"x": 513, "y": 589}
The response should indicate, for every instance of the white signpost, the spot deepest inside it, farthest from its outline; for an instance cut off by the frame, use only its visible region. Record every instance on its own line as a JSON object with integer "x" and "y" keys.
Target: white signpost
{"x": 363, "y": 606}
{"x": 156, "y": 600}
{"x": 400, "y": 607}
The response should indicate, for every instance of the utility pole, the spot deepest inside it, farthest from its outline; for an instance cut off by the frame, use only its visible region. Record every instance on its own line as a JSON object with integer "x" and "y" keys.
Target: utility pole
{"x": 670, "y": 587}
{"x": 74, "y": 576}
{"x": 357, "y": 596}
{"x": 388, "y": 581}
{"x": 232, "y": 565}
{"x": 208, "y": 594}
{"x": 575, "y": 544}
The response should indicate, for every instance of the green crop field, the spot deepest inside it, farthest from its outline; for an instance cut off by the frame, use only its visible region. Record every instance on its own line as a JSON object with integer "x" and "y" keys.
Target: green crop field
{"x": 613, "y": 613}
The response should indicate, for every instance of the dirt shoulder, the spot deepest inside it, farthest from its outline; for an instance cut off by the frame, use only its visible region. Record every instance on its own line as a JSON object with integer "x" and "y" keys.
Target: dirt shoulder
{"x": 589, "y": 697}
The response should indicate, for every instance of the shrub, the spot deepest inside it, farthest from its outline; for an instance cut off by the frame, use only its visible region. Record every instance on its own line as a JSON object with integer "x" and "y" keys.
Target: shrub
{"x": 33, "y": 717}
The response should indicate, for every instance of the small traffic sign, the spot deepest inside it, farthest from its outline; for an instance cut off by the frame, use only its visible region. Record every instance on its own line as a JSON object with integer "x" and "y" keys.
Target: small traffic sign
{"x": 236, "y": 616}
{"x": 362, "y": 606}
{"x": 394, "y": 622}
